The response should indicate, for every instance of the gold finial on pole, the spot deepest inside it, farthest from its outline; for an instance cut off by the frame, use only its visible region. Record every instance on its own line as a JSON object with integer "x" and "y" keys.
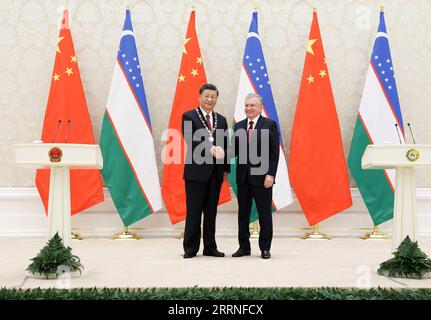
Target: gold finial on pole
{"x": 314, "y": 9}
{"x": 255, "y": 229}
{"x": 375, "y": 235}
{"x": 382, "y": 8}
{"x": 125, "y": 235}
{"x": 315, "y": 234}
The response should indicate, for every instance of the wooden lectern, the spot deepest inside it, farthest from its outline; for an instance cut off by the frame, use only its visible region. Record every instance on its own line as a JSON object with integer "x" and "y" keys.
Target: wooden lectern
{"x": 60, "y": 158}
{"x": 404, "y": 158}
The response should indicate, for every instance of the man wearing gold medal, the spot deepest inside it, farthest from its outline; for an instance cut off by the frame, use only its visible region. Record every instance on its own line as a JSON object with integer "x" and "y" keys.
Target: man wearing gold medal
{"x": 205, "y": 133}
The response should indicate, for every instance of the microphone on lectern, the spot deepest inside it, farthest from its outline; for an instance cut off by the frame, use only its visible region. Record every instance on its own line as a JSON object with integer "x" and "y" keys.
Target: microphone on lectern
{"x": 69, "y": 124}
{"x": 57, "y": 130}
{"x": 398, "y": 132}
{"x": 411, "y": 132}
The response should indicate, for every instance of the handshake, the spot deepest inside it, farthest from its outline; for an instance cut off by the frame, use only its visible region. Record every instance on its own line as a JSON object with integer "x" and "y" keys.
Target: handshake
{"x": 217, "y": 152}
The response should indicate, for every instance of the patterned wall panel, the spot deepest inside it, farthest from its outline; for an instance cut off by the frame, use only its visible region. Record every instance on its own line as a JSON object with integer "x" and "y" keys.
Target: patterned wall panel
{"x": 28, "y": 37}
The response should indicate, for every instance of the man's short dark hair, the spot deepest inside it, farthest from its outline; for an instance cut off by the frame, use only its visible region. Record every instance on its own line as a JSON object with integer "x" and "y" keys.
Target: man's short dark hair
{"x": 208, "y": 86}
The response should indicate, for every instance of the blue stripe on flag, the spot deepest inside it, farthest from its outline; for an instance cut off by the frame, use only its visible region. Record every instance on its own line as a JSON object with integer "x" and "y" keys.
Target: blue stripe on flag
{"x": 382, "y": 62}
{"x": 254, "y": 64}
{"x": 129, "y": 60}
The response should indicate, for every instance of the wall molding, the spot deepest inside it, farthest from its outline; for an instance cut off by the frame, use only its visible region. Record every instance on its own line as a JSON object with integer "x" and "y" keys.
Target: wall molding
{"x": 22, "y": 215}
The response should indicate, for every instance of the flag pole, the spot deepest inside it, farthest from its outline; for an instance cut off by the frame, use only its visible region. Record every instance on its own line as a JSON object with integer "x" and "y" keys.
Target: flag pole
{"x": 376, "y": 234}
{"x": 125, "y": 235}
{"x": 255, "y": 229}
{"x": 315, "y": 234}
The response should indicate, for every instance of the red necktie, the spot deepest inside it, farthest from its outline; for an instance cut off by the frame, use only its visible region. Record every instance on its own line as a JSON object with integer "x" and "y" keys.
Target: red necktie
{"x": 250, "y": 130}
{"x": 208, "y": 121}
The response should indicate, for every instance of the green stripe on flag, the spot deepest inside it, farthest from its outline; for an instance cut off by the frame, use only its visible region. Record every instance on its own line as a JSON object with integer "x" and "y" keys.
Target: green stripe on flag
{"x": 232, "y": 181}
{"x": 372, "y": 183}
{"x": 120, "y": 179}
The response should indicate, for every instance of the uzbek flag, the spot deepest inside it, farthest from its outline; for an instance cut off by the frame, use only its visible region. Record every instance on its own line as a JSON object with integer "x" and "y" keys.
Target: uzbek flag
{"x": 379, "y": 111}
{"x": 255, "y": 78}
{"x": 127, "y": 145}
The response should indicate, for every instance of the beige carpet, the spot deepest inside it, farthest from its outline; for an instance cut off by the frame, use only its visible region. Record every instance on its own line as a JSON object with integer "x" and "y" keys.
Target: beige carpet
{"x": 157, "y": 262}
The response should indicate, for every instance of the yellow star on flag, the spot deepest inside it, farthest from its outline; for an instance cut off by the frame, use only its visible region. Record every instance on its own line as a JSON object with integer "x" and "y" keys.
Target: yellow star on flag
{"x": 199, "y": 60}
{"x": 185, "y": 42}
{"x": 322, "y": 73}
{"x": 56, "y": 77}
{"x": 194, "y": 72}
{"x": 309, "y": 46}
{"x": 73, "y": 59}
{"x": 58, "y": 42}
{"x": 69, "y": 71}
{"x": 310, "y": 79}
{"x": 181, "y": 78}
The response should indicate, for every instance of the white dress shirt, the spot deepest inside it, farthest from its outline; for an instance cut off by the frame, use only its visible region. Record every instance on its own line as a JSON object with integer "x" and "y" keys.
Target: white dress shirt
{"x": 205, "y": 117}
{"x": 255, "y": 120}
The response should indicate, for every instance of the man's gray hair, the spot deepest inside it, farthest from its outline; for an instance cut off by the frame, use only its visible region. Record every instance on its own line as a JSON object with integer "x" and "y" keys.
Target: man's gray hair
{"x": 254, "y": 95}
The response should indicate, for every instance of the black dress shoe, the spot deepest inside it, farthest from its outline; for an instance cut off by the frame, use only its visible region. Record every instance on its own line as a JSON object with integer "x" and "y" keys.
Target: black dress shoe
{"x": 213, "y": 253}
{"x": 265, "y": 254}
{"x": 188, "y": 255}
{"x": 241, "y": 252}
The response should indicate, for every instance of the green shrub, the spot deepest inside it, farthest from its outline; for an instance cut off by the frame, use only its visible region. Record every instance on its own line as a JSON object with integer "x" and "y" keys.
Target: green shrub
{"x": 409, "y": 262}
{"x": 52, "y": 256}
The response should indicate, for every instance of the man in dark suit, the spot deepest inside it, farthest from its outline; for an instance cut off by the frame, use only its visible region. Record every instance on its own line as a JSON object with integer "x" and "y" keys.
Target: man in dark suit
{"x": 205, "y": 133}
{"x": 255, "y": 174}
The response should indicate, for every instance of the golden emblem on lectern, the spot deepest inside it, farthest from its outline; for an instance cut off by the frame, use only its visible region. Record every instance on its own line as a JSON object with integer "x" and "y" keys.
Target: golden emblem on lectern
{"x": 412, "y": 154}
{"x": 55, "y": 154}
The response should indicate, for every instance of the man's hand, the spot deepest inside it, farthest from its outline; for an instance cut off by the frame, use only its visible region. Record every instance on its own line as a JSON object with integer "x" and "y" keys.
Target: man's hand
{"x": 217, "y": 152}
{"x": 269, "y": 181}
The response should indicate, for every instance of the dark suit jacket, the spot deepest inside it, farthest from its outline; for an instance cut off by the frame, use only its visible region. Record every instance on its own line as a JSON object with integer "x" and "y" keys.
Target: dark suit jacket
{"x": 201, "y": 169}
{"x": 244, "y": 171}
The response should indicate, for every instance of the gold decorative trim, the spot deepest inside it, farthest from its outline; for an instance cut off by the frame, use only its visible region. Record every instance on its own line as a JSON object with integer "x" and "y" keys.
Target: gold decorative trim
{"x": 412, "y": 155}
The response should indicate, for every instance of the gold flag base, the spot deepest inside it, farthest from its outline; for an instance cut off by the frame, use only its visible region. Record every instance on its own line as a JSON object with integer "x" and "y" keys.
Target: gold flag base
{"x": 125, "y": 235}
{"x": 180, "y": 236}
{"x": 375, "y": 235}
{"x": 315, "y": 234}
{"x": 76, "y": 236}
{"x": 255, "y": 230}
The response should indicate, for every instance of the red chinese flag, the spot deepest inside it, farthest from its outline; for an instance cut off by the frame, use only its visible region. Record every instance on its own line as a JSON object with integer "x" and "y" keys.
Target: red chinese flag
{"x": 66, "y": 102}
{"x": 190, "y": 78}
{"x": 318, "y": 171}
